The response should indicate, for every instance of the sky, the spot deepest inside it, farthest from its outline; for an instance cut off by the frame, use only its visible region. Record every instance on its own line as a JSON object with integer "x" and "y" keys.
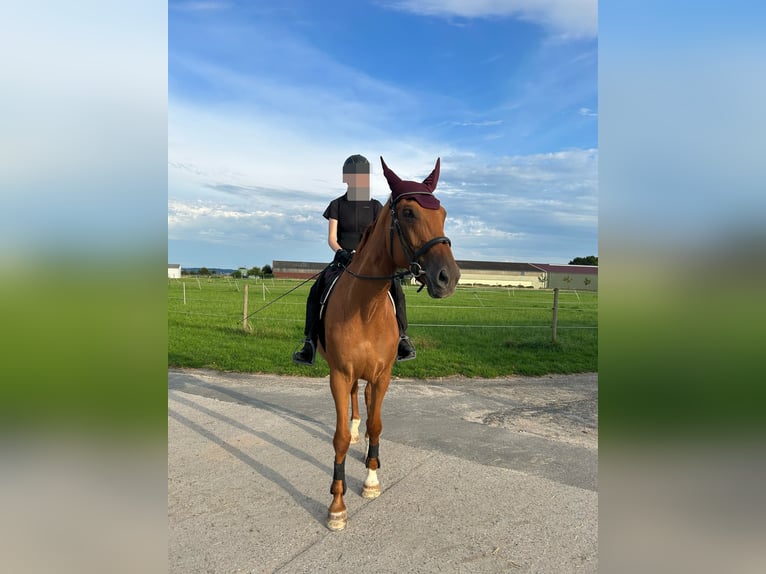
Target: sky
{"x": 266, "y": 100}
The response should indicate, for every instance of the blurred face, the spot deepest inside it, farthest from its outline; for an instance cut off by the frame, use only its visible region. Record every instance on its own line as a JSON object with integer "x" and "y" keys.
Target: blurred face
{"x": 355, "y": 180}
{"x": 358, "y": 186}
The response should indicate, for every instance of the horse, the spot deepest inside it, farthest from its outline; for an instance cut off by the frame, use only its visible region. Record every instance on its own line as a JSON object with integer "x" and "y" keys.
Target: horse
{"x": 361, "y": 333}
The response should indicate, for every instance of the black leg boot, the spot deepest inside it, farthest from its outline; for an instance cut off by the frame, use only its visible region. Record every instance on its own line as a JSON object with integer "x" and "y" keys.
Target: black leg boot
{"x": 405, "y": 351}
{"x": 307, "y": 354}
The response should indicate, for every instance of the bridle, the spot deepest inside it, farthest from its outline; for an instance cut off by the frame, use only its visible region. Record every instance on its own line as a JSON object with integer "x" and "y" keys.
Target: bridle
{"x": 413, "y": 255}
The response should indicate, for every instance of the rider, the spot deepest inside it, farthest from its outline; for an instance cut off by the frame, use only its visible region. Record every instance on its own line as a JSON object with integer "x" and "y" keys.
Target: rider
{"x": 348, "y": 216}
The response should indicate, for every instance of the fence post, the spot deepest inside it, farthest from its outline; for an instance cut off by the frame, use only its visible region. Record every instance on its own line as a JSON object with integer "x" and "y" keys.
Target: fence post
{"x": 555, "y": 313}
{"x": 244, "y": 312}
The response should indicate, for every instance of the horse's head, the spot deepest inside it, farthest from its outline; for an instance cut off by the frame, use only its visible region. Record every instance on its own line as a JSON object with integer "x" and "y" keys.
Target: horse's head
{"x": 418, "y": 223}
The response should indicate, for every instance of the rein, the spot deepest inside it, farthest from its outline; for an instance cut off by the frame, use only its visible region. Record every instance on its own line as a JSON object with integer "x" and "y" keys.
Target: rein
{"x": 413, "y": 255}
{"x": 397, "y": 275}
{"x": 301, "y": 284}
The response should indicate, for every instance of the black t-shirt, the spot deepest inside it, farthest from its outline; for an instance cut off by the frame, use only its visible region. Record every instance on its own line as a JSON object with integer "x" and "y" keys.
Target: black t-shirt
{"x": 353, "y": 217}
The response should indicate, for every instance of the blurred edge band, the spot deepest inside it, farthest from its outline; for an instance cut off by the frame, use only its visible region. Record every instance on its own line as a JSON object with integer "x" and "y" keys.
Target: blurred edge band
{"x": 83, "y": 235}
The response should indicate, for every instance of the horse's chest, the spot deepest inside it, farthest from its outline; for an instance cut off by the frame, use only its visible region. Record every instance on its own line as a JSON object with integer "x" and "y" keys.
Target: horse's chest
{"x": 369, "y": 323}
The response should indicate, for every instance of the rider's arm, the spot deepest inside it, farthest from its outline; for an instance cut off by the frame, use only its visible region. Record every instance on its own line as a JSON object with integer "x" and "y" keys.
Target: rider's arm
{"x": 332, "y": 235}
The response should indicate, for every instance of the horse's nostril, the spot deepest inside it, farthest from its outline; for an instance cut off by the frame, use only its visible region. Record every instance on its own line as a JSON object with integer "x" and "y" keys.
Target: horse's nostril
{"x": 443, "y": 277}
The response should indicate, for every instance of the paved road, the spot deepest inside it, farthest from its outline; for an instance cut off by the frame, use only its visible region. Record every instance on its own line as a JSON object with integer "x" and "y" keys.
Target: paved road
{"x": 483, "y": 475}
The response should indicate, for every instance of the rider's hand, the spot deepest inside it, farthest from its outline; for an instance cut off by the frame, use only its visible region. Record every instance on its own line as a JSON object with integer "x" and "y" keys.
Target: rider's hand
{"x": 342, "y": 257}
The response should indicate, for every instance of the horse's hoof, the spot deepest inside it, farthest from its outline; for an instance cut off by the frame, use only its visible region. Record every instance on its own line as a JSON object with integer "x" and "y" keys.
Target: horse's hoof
{"x": 337, "y": 520}
{"x": 372, "y": 491}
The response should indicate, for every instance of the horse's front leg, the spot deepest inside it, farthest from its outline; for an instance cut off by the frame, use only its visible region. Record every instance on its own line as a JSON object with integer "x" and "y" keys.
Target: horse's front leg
{"x": 371, "y": 487}
{"x": 336, "y": 514}
{"x": 355, "y": 416}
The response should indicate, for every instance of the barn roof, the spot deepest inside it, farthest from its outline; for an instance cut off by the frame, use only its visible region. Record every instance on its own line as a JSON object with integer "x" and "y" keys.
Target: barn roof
{"x": 495, "y": 266}
{"x": 304, "y": 265}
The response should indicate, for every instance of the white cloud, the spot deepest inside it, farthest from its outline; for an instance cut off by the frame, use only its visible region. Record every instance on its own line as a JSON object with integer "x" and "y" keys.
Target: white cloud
{"x": 514, "y": 204}
{"x": 511, "y": 208}
{"x": 576, "y": 18}
{"x": 474, "y": 227}
{"x": 205, "y": 213}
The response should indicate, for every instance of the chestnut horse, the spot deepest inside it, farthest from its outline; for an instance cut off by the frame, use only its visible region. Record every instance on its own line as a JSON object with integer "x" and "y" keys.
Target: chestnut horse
{"x": 361, "y": 333}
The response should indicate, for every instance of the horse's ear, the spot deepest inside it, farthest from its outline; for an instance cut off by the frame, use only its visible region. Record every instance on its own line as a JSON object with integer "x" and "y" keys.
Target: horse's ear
{"x": 391, "y": 177}
{"x": 431, "y": 181}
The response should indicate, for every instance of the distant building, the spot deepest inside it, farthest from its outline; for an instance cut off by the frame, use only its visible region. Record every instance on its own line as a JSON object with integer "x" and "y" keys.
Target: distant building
{"x": 501, "y": 274}
{"x": 490, "y": 273}
{"x": 295, "y": 269}
{"x": 174, "y": 270}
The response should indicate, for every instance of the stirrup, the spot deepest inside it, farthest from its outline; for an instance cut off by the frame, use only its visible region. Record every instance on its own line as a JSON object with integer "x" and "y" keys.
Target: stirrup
{"x": 299, "y": 357}
{"x": 411, "y": 353}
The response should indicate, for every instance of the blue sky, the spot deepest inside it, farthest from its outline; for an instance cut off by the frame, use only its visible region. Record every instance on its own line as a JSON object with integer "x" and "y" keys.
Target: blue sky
{"x": 266, "y": 100}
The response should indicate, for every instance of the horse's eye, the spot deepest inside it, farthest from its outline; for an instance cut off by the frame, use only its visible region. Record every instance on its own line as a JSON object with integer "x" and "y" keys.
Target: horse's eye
{"x": 408, "y": 213}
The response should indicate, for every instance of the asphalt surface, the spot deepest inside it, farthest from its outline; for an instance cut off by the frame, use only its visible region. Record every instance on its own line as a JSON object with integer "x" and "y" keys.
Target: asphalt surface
{"x": 495, "y": 475}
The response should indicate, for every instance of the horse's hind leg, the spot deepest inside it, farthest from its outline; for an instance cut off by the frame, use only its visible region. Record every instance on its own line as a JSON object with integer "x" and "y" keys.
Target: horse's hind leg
{"x": 355, "y": 417}
{"x": 371, "y": 486}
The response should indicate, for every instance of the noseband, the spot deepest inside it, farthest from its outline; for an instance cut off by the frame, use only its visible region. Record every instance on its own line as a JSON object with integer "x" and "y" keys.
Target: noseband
{"x": 412, "y": 255}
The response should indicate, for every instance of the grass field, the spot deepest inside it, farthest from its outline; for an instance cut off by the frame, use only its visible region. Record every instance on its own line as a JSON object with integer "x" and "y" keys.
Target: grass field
{"x": 478, "y": 332}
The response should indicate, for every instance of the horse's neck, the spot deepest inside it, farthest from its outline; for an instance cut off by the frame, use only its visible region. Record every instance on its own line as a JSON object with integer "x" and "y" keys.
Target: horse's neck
{"x": 374, "y": 259}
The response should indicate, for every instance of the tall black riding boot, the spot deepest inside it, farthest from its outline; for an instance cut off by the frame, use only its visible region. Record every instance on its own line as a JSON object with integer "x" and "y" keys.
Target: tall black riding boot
{"x": 405, "y": 351}
{"x": 307, "y": 354}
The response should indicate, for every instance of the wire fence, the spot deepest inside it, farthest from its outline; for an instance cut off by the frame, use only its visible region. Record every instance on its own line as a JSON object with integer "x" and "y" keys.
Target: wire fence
{"x": 232, "y": 301}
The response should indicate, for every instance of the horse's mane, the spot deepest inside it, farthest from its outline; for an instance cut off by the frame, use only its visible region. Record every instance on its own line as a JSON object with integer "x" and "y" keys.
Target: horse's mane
{"x": 368, "y": 230}
{"x": 365, "y": 235}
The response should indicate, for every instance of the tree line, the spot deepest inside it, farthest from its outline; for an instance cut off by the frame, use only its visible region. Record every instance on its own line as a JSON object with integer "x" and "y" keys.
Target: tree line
{"x": 589, "y": 260}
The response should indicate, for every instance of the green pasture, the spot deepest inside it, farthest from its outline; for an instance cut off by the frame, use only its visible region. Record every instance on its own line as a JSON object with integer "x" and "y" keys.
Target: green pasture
{"x": 478, "y": 332}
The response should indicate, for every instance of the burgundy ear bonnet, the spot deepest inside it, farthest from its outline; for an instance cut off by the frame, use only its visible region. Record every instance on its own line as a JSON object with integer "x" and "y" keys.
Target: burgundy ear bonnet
{"x": 420, "y": 192}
